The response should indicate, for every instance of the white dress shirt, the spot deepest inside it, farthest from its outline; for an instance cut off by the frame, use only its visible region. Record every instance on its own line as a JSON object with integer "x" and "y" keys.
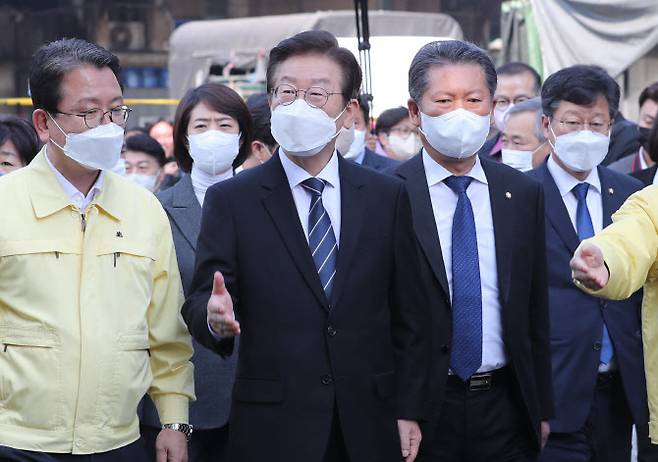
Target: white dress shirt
{"x": 302, "y": 198}
{"x": 79, "y": 200}
{"x": 444, "y": 203}
{"x": 565, "y": 184}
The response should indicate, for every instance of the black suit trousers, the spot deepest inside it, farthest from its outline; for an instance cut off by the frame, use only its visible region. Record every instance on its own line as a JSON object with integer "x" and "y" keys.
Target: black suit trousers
{"x": 479, "y": 426}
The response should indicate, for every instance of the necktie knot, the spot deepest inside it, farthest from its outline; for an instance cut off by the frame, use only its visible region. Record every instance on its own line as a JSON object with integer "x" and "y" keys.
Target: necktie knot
{"x": 580, "y": 191}
{"x": 458, "y": 184}
{"x": 315, "y": 186}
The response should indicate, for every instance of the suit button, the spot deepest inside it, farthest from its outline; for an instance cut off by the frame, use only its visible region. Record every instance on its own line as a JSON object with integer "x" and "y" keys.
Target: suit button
{"x": 597, "y": 346}
{"x": 445, "y": 348}
{"x": 331, "y": 332}
{"x": 327, "y": 380}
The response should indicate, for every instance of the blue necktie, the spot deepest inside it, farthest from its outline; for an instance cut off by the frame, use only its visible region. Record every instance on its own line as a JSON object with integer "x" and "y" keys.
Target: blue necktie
{"x": 321, "y": 238}
{"x": 585, "y": 231}
{"x": 466, "y": 356}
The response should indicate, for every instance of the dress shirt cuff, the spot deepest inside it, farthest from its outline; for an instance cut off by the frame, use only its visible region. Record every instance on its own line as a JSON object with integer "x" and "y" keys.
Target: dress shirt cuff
{"x": 214, "y": 334}
{"x": 172, "y": 408}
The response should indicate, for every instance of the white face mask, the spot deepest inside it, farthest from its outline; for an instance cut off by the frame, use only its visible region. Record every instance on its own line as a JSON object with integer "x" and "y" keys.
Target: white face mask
{"x": 499, "y": 117}
{"x": 404, "y": 148}
{"x": 147, "y": 181}
{"x": 214, "y": 151}
{"x": 581, "y": 151}
{"x": 302, "y": 130}
{"x": 96, "y": 149}
{"x": 357, "y": 146}
{"x": 120, "y": 167}
{"x": 520, "y": 160}
{"x": 344, "y": 140}
{"x": 457, "y": 134}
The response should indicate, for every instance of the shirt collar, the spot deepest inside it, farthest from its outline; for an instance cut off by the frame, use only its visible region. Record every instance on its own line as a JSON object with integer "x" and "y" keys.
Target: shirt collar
{"x": 360, "y": 157}
{"x": 436, "y": 173}
{"x": 566, "y": 182}
{"x": 74, "y": 195}
{"x": 296, "y": 175}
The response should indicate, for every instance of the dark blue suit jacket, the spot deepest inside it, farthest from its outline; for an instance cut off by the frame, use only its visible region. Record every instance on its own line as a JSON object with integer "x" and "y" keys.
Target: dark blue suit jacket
{"x": 377, "y": 162}
{"x": 576, "y": 321}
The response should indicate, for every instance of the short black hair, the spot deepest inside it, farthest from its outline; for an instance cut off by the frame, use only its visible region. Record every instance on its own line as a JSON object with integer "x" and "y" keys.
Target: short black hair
{"x": 53, "y": 60}
{"x": 581, "y": 85}
{"x": 649, "y": 92}
{"x": 144, "y": 143}
{"x": 389, "y": 118}
{"x": 317, "y": 42}
{"x": 518, "y": 68}
{"x": 22, "y": 134}
{"x": 259, "y": 108}
{"x": 440, "y": 53}
{"x": 222, "y": 99}
{"x": 364, "y": 105}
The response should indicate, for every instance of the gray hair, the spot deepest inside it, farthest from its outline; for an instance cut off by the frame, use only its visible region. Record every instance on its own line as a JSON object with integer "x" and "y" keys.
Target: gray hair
{"x": 530, "y": 105}
{"x": 440, "y": 53}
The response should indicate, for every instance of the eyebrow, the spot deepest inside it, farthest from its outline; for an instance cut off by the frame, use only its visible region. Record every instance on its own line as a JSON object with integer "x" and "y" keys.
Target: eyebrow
{"x": 9, "y": 153}
{"x": 93, "y": 100}
{"x": 207, "y": 119}
{"x": 314, "y": 81}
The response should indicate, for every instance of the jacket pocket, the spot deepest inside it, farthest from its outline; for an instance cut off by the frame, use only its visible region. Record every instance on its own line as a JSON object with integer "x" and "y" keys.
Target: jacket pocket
{"x": 258, "y": 391}
{"x": 130, "y": 265}
{"x": 30, "y": 378}
{"x": 132, "y": 377}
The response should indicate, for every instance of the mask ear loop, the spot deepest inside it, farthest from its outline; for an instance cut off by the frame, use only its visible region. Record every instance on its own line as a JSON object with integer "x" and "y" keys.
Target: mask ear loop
{"x": 554, "y": 135}
{"x": 59, "y": 128}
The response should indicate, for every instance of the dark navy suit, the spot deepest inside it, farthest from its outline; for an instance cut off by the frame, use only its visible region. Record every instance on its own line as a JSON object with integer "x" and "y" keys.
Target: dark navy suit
{"x": 576, "y": 331}
{"x": 377, "y": 162}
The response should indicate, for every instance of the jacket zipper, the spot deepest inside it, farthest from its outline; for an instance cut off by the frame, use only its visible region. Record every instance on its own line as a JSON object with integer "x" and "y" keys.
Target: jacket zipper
{"x": 84, "y": 222}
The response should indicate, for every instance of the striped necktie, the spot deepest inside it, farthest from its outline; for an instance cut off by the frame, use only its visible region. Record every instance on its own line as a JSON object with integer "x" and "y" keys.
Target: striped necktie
{"x": 321, "y": 237}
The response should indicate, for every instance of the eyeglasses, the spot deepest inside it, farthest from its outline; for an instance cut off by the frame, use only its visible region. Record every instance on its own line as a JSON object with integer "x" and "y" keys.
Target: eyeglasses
{"x": 315, "y": 97}
{"x": 570, "y": 126}
{"x": 118, "y": 115}
{"x": 503, "y": 103}
{"x": 402, "y": 132}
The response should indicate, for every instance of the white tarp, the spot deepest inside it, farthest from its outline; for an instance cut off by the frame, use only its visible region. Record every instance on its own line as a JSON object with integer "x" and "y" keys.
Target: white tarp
{"x": 610, "y": 33}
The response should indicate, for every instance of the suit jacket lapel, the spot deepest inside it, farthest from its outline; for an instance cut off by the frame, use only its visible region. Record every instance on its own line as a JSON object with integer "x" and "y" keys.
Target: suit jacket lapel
{"x": 611, "y": 199}
{"x": 503, "y": 223}
{"x": 280, "y": 205}
{"x": 185, "y": 210}
{"x": 352, "y": 200}
{"x": 556, "y": 211}
{"x": 423, "y": 215}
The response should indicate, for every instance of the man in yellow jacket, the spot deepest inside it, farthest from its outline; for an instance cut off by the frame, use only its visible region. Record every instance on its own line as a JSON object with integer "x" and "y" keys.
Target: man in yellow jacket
{"x": 89, "y": 286}
{"x": 620, "y": 260}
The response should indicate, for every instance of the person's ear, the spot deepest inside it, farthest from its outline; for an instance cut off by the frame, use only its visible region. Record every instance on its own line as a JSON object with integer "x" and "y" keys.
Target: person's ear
{"x": 544, "y": 126}
{"x": 348, "y": 115}
{"x": 260, "y": 151}
{"x": 40, "y": 122}
{"x": 414, "y": 112}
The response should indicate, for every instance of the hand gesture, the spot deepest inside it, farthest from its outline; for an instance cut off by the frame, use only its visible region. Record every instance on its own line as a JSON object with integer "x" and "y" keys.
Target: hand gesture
{"x": 588, "y": 267}
{"x": 221, "y": 317}
{"x": 409, "y": 439}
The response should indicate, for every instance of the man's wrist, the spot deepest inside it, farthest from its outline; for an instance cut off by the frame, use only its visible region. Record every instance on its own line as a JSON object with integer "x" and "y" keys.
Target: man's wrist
{"x": 183, "y": 428}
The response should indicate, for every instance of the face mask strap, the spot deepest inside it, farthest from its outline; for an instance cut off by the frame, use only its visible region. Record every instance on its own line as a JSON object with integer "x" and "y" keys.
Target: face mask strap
{"x": 59, "y": 128}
